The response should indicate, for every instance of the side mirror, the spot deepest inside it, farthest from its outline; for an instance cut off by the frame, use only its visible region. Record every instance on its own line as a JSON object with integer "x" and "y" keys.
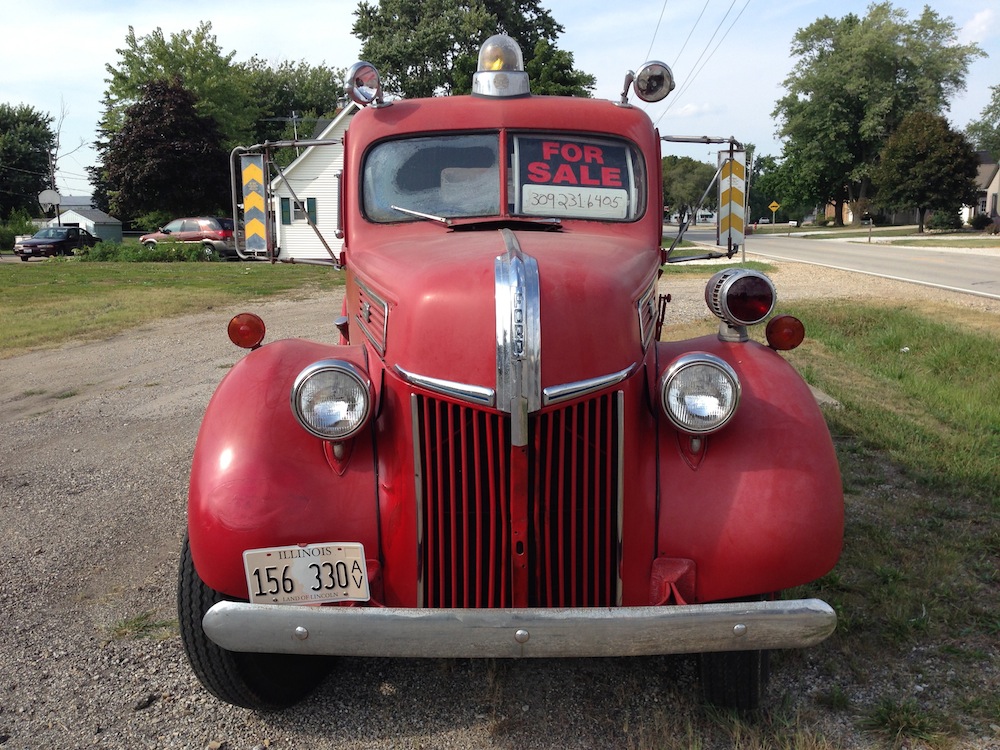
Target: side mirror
{"x": 364, "y": 86}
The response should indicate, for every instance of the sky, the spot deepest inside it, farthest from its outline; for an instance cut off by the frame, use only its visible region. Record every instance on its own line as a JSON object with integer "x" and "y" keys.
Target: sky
{"x": 729, "y": 57}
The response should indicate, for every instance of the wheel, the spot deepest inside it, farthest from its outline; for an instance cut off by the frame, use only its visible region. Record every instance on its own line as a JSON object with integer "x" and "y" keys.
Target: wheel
{"x": 209, "y": 251}
{"x": 259, "y": 681}
{"x": 24, "y": 257}
{"x": 149, "y": 245}
{"x": 735, "y": 679}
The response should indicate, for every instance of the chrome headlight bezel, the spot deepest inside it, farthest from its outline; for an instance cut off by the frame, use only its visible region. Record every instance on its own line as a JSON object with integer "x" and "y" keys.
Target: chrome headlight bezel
{"x": 689, "y": 378}
{"x": 325, "y": 382}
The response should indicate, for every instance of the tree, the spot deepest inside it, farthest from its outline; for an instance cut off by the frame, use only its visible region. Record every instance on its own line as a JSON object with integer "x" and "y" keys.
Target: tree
{"x": 166, "y": 157}
{"x": 853, "y": 83}
{"x": 290, "y": 94}
{"x": 685, "y": 182}
{"x": 429, "y": 47}
{"x": 248, "y": 102}
{"x": 985, "y": 132}
{"x": 926, "y": 165}
{"x": 27, "y": 145}
{"x": 220, "y": 87}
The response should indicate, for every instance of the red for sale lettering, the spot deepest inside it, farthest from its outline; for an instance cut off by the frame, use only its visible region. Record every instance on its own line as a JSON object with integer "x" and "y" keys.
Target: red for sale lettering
{"x": 573, "y": 164}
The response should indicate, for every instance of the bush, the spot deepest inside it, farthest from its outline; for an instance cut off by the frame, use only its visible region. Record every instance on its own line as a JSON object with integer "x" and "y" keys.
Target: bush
{"x": 152, "y": 221}
{"x": 979, "y": 222}
{"x": 133, "y": 252}
{"x": 7, "y": 237}
{"x": 944, "y": 220}
{"x": 18, "y": 223}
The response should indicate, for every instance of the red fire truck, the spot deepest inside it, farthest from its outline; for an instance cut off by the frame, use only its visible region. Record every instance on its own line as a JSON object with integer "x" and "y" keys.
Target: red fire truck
{"x": 495, "y": 455}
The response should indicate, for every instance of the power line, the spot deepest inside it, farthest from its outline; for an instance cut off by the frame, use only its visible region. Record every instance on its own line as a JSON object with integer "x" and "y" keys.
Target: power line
{"x": 663, "y": 10}
{"x": 695, "y": 72}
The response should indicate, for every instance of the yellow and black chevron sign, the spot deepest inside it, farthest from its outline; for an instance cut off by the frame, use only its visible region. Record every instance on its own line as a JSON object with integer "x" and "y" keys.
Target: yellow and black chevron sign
{"x": 254, "y": 203}
{"x": 732, "y": 197}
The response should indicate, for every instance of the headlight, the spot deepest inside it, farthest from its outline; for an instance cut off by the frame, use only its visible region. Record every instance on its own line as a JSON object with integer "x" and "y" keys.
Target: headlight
{"x": 331, "y": 399}
{"x": 699, "y": 393}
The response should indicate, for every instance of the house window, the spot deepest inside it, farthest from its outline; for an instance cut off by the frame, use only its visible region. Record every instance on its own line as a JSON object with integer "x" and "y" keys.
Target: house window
{"x": 293, "y": 211}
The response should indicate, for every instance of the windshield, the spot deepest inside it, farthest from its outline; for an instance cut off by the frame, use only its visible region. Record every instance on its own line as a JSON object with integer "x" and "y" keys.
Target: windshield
{"x": 52, "y": 233}
{"x": 452, "y": 176}
{"x": 459, "y": 176}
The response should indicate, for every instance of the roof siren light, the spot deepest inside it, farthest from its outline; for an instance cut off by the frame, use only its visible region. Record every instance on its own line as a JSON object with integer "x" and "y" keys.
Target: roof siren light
{"x": 500, "y": 72}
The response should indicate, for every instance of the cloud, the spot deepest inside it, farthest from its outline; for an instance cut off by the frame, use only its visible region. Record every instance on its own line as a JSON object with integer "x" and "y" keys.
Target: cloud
{"x": 982, "y": 26}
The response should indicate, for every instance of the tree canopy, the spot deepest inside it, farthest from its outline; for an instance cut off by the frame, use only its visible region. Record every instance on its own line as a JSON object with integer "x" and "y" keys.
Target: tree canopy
{"x": 166, "y": 158}
{"x": 928, "y": 166}
{"x": 854, "y": 81}
{"x": 247, "y": 102}
{"x": 985, "y": 132}
{"x": 220, "y": 89}
{"x": 429, "y": 47}
{"x": 27, "y": 143}
{"x": 685, "y": 181}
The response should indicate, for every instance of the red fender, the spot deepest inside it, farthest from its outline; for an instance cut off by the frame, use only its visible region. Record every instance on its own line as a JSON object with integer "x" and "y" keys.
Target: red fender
{"x": 759, "y": 506}
{"x": 258, "y": 479}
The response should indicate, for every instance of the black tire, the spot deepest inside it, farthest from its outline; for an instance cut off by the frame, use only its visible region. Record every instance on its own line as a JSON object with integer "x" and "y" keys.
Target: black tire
{"x": 266, "y": 682}
{"x": 149, "y": 245}
{"x": 25, "y": 258}
{"x": 735, "y": 680}
{"x": 209, "y": 251}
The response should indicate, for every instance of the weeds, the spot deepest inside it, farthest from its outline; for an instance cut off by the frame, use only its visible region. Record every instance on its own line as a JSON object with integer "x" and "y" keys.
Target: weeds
{"x": 144, "y": 625}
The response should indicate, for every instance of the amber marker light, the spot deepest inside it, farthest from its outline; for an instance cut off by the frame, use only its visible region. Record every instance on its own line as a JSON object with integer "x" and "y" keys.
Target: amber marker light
{"x": 785, "y": 332}
{"x": 246, "y": 330}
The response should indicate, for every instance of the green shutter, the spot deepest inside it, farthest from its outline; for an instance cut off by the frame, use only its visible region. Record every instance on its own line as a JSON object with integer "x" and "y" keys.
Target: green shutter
{"x": 311, "y": 209}
{"x": 286, "y": 211}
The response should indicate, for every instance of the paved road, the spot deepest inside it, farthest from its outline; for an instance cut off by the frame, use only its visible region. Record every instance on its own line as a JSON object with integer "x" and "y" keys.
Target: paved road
{"x": 963, "y": 270}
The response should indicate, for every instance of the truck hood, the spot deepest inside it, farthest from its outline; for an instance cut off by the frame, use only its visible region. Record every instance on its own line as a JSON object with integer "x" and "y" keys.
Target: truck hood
{"x": 449, "y": 310}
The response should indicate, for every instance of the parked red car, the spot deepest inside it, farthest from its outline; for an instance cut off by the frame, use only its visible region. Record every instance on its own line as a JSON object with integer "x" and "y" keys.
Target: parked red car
{"x": 216, "y": 234}
{"x": 495, "y": 455}
{"x": 52, "y": 241}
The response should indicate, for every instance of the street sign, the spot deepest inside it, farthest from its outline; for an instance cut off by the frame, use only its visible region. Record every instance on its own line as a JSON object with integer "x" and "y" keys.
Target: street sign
{"x": 774, "y": 206}
{"x": 732, "y": 197}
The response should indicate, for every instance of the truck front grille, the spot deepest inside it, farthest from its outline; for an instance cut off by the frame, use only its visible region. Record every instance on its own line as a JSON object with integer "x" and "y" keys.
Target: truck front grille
{"x": 465, "y": 504}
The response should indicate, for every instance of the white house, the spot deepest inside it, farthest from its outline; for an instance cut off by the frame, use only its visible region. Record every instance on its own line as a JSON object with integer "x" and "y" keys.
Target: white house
{"x": 988, "y": 183}
{"x": 96, "y": 222}
{"x": 312, "y": 178}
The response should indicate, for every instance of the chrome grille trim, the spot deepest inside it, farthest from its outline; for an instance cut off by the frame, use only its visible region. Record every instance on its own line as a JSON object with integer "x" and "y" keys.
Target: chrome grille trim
{"x": 373, "y": 316}
{"x": 519, "y": 337}
{"x": 646, "y": 306}
{"x": 556, "y": 394}
{"x": 475, "y": 394}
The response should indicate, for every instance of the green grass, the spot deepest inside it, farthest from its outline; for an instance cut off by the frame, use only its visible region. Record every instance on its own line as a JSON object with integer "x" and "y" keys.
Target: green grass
{"x": 918, "y": 436}
{"x": 46, "y": 304}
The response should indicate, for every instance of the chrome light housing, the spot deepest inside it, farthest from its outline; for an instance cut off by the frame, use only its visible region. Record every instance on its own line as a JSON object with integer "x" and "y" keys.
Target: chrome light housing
{"x": 740, "y": 296}
{"x": 332, "y": 399}
{"x": 699, "y": 393}
{"x": 500, "y": 69}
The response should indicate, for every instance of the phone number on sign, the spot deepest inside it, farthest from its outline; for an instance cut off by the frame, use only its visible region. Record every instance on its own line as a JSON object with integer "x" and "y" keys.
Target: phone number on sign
{"x": 590, "y": 203}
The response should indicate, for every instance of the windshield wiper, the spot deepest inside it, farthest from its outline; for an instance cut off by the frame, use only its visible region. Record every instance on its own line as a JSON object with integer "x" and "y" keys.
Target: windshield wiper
{"x": 419, "y": 214}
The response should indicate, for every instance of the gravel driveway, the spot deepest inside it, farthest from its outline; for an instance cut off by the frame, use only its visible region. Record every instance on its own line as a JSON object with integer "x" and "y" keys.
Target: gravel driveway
{"x": 96, "y": 440}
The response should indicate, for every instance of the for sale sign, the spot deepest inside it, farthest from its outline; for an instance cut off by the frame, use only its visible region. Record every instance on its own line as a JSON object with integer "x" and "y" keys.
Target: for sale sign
{"x": 576, "y": 178}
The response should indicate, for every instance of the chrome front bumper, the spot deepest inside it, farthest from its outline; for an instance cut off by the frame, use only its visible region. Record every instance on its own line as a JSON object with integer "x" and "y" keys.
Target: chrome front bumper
{"x": 516, "y": 633}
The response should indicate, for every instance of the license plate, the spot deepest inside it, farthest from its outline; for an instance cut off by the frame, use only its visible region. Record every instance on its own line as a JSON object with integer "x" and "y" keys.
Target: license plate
{"x": 310, "y": 574}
